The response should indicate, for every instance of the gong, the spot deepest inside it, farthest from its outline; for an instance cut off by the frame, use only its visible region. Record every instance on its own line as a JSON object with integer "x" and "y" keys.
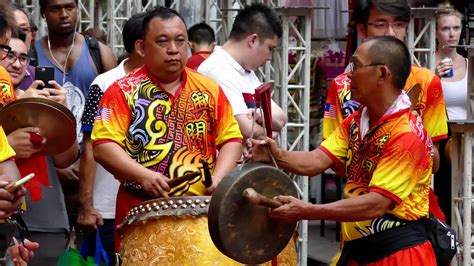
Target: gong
{"x": 56, "y": 123}
{"x": 238, "y": 218}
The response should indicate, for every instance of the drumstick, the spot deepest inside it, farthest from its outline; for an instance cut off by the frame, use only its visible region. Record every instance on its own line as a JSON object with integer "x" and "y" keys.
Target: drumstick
{"x": 15, "y": 185}
{"x": 186, "y": 177}
{"x": 207, "y": 173}
{"x": 258, "y": 199}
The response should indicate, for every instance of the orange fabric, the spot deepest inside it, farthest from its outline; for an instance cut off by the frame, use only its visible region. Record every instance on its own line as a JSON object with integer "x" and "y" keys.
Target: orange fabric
{"x": 7, "y": 91}
{"x": 422, "y": 254}
{"x": 392, "y": 159}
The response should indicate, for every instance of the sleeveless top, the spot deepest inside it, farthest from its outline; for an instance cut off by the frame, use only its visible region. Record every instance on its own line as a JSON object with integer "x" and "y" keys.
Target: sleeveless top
{"x": 77, "y": 80}
{"x": 455, "y": 97}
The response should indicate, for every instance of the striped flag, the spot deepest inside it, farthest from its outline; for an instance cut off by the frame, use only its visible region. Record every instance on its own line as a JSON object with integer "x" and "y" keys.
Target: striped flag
{"x": 103, "y": 114}
{"x": 330, "y": 111}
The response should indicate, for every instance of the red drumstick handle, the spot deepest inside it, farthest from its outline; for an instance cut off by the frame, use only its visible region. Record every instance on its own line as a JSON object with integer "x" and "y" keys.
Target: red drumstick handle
{"x": 258, "y": 199}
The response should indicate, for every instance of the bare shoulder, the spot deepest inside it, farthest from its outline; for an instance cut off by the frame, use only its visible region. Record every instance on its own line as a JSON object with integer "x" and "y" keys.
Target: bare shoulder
{"x": 108, "y": 58}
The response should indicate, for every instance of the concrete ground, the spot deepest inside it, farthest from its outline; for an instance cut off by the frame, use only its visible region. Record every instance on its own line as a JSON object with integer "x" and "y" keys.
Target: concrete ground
{"x": 321, "y": 249}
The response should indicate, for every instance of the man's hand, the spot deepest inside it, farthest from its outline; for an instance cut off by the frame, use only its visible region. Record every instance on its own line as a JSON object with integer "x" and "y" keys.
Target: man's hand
{"x": 156, "y": 185}
{"x": 291, "y": 211}
{"x": 212, "y": 188}
{"x": 56, "y": 93}
{"x": 21, "y": 254}
{"x": 69, "y": 174}
{"x": 9, "y": 202}
{"x": 33, "y": 92}
{"x": 89, "y": 218}
{"x": 260, "y": 150}
{"x": 20, "y": 141}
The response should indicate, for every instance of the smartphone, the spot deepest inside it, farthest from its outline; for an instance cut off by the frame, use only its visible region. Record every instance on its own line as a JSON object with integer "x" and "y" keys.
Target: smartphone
{"x": 44, "y": 74}
{"x": 16, "y": 185}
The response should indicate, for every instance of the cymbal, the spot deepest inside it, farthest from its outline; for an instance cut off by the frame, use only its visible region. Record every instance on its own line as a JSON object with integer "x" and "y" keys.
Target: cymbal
{"x": 242, "y": 229}
{"x": 56, "y": 123}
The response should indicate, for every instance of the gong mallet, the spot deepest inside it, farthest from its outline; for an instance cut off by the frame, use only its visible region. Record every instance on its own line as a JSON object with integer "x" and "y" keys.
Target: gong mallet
{"x": 258, "y": 199}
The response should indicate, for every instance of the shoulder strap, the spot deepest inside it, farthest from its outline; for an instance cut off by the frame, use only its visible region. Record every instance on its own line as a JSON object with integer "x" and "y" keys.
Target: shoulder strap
{"x": 94, "y": 51}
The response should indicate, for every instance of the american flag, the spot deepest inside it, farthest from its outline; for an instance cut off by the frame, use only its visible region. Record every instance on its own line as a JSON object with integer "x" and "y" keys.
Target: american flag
{"x": 104, "y": 114}
{"x": 330, "y": 111}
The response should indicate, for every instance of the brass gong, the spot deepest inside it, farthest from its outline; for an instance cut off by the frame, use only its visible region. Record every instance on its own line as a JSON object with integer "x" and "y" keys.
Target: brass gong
{"x": 241, "y": 229}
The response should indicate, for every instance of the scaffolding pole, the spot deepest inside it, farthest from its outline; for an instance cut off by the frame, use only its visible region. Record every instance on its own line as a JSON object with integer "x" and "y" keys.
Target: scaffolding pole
{"x": 422, "y": 44}
{"x": 461, "y": 173}
{"x": 293, "y": 86}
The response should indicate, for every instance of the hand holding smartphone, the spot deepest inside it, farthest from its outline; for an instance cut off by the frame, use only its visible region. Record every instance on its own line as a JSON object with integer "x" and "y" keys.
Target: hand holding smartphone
{"x": 44, "y": 74}
{"x": 12, "y": 187}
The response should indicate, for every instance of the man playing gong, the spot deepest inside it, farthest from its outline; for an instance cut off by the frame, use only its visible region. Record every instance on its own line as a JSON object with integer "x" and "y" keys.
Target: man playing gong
{"x": 386, "y": 155}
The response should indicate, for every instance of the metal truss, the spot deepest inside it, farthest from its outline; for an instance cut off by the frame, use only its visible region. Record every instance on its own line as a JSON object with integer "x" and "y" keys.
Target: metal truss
{"x": 461, "y": 177}
{"x": 292, "y": 85}
{"x": 422, "y": 40}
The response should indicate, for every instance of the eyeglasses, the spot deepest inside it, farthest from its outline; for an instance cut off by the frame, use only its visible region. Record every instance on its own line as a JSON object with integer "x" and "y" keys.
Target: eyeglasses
{"x": 4, "y": 51}
{"x": 383, "y": 25}
{"x": 352, "y": 67}
{"x": 22, "y": 58}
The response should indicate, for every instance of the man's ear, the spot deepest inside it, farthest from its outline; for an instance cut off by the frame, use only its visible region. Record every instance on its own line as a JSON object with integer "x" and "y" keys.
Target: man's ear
{"x": 361, "y": 31}
{"x": 252, "y": 40}
{"x": 139, "y": 47}
{"x": 384, "y": 73}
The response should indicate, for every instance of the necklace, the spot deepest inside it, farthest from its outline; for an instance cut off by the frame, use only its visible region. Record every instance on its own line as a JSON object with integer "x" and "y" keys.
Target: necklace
{"x": 67, "y": 57}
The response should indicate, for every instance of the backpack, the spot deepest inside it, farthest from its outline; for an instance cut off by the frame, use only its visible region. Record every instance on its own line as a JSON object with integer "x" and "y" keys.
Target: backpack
{"x": 94, "y": 51}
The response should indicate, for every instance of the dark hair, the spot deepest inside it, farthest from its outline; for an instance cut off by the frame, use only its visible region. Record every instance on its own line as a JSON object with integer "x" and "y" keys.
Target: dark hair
{"x": 97, "y": 33}
{"x": 163, "y": 13}
{"x": 397, "y": 8}
{"x": 19, "y": 34}
{"x": 44, "y": 3}
{"x": 258, "y": 19}
{"x": 7, "y": 22}
{"x": 394, "y": 54}
{"x": 201, "y": 33}
{"x": 133, "y": 31}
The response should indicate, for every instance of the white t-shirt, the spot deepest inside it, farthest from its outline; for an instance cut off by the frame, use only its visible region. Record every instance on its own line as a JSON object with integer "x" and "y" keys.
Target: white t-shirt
{"x": 233, "y": 79}
{"x": 105, "y": 185}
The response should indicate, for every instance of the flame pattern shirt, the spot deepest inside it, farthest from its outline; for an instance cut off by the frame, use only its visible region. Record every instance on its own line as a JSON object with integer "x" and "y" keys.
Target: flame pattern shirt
{"x": 393, "y": 159}
{"x": 430, "y": 106}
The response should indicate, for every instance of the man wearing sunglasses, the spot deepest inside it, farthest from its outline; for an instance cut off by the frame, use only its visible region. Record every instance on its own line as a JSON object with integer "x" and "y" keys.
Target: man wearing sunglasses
{"x": 390, "y": 18}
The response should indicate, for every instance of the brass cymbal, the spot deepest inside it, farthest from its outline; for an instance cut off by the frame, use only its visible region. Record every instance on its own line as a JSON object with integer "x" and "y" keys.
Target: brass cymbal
{"x": 56, "y": 123}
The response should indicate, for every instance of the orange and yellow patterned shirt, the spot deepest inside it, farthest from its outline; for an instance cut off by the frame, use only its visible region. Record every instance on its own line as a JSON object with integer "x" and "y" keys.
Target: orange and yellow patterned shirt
{"x": 165, "y": 133}
{"x": 393, "y": 158}
{"x": 431, "y": 107}
{"x": 6, "y": 151}
{"x": 8, "y": 91}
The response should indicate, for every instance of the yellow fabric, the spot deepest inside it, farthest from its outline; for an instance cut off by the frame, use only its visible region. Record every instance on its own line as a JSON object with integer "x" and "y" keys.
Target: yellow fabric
{"x": 6, "y": 151}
